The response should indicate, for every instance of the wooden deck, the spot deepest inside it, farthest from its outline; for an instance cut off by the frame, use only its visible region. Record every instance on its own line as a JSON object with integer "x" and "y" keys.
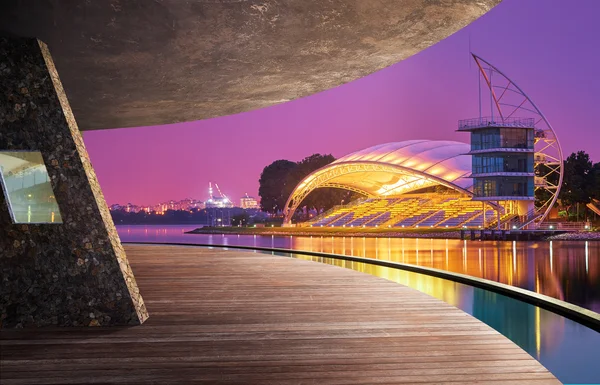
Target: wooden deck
{"x": 232, "y": 317}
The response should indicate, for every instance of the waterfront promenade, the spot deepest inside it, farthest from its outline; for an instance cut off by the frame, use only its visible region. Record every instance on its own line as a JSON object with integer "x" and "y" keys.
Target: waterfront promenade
{"x": 240, "y": 317}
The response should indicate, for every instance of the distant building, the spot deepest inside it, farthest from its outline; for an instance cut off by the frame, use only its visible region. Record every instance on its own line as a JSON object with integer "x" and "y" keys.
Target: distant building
{"x": 131, "y": 208}
{"x": 218, "y": 202}
{"x": 248, "y": 202}
{"x": 187, "y": 204}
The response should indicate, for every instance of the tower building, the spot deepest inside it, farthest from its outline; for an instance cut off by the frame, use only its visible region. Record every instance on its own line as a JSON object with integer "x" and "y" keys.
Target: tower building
{"x": 502, "y": 151}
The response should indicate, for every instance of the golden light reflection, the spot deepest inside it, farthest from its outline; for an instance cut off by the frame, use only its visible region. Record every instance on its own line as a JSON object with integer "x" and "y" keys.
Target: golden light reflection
{"x": 538, "y": 333}
{"x": 587, "y": 257}
{"x": 514, "y": 255}
{"x": 465, "y": 255}
{"x": 551, "y": 257}
{"x": 560, "y": 272}
{"x": 445, "y": 290}
{"x": 533, "y": 329}
{"x": 538, "y": 336}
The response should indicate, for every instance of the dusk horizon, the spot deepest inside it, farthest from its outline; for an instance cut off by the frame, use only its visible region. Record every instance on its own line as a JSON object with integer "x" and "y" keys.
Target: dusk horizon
{"x": 422, "y": 97}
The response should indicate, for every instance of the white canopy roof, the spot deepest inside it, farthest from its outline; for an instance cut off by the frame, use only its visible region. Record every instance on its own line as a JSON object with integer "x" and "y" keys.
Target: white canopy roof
{"x": 441, "y": 160}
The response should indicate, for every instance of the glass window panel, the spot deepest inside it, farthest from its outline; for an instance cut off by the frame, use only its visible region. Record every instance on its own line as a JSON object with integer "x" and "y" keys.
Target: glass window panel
{"x": 516, "y": 138}
{"x": 502, "y": 163}
{"x": 27, "y": 188}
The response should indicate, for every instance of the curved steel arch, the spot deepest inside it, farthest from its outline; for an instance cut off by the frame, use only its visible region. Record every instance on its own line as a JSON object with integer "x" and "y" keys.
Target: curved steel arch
{"x": 548, "y": 157}
{"x": 322, "y": 178}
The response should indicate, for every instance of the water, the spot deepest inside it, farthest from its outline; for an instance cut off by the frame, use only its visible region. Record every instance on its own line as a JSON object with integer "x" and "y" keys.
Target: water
{"x": 569, "y": 350}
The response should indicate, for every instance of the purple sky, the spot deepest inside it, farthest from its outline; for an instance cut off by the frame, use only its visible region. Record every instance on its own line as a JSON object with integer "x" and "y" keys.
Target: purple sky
{"x": 550, "y": 48}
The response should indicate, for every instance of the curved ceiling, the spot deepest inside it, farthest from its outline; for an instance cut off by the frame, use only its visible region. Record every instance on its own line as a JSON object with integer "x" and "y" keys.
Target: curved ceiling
{"x": 139, "y": 62}
{"x": 435, "y": 160}
{"x": 14, "y": 161}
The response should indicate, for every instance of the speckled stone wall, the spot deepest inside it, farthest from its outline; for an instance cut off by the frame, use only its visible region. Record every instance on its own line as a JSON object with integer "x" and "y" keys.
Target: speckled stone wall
{"x": 70, "y": 274}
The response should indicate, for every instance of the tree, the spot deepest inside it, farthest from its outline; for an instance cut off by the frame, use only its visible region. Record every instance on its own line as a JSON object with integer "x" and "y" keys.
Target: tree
{"x": 579, "y": 182}
{"x": 595, "y": 193}
{"x": 274, "y": 185}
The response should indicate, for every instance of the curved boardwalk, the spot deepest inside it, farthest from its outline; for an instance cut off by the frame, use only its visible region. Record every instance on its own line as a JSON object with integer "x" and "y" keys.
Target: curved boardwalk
{"x": 233, "y": 317}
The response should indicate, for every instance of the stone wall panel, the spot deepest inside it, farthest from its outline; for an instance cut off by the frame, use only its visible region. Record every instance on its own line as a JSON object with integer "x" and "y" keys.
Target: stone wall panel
{"x": 70, "y": 274}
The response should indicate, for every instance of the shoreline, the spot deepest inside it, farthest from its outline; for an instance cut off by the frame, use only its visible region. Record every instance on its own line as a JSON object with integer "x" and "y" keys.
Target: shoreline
{"x": 372, "y": 233}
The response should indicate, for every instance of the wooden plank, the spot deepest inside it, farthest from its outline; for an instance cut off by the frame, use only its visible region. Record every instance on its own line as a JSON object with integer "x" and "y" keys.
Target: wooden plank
{"x": 233, "y": 317}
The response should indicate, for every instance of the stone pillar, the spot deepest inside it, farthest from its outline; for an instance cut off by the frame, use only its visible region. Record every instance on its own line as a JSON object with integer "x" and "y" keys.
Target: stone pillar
{"x": 69, "y": 274}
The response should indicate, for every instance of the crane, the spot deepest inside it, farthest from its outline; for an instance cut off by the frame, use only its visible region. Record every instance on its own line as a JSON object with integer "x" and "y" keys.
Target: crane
{"x": 220, "y": 193}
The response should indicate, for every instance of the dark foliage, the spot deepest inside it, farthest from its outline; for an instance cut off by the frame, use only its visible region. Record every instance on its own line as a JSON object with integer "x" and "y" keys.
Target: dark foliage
{"x": 274, "y": 185}
{"x": 581, "y": 183}
{"x": 279, "y": 179}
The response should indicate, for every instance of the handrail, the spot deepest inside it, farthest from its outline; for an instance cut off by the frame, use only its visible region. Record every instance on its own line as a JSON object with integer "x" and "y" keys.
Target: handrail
{"x": 531, "y": 216}
{"x": 573, "y": 312}
{"x": 496, "y": 121}
{"x": 572, "y": 226}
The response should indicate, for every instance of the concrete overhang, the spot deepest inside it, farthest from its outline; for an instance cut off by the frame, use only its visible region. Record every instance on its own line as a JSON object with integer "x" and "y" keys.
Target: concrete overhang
{"x": 128, "y": 63}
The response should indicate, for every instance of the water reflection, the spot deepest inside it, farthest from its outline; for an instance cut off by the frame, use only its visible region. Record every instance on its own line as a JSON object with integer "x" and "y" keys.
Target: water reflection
{"x": 569, "y": 271}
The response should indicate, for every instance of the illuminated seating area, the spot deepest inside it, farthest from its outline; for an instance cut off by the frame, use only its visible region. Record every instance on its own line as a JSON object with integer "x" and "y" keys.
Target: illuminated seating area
{"x": 418, "y": 210}
{"x": 477, "y": 221}
{"x": 423, "y": 212}
{"x": 339, "y": 214}
{"x": 366, "y": 213}
{"x": 459, "y": 219}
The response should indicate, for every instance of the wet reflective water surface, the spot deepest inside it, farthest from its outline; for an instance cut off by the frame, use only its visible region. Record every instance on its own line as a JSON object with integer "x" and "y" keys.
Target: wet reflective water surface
{"x": 565, "y": 270}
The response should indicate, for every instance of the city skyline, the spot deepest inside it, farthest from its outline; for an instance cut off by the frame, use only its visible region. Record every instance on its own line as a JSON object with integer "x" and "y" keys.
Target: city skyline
{"x": 245, "y": 201}
{"x": 422, "y": 97}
